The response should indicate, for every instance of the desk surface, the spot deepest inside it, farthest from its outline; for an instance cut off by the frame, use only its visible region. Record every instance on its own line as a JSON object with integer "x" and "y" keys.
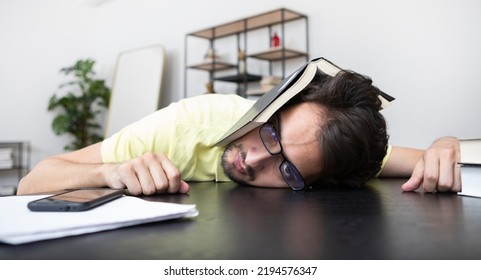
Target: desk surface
{"x": 238, "y": 222}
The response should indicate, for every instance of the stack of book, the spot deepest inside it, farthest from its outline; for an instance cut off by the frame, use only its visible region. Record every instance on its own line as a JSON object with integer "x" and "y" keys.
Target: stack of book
{"x": 471, "y": 167}
{"x": 6, "y": 158}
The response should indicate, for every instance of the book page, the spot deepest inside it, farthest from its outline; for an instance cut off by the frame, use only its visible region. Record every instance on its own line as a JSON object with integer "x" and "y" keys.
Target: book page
{"x": 470, "y": 151}
{"x": 322, "y": 64}
{"x": 471, "y": 181}
{"x": 297, "y": 87}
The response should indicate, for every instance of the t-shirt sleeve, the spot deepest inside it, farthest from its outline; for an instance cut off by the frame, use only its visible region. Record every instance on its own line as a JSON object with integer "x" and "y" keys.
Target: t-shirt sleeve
{"x": 386, "y": 157}
{"x": 178, "y": 131}
{"x": 149, "y": 134}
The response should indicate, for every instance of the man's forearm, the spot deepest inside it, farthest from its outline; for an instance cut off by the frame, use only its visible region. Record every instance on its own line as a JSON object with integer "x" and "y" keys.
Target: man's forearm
{"x": 56, "y": 174}
{"x": 401, "y": 162}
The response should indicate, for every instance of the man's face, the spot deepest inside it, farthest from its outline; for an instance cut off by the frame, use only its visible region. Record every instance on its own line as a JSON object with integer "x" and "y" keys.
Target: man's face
{"x": 247, "y": 161}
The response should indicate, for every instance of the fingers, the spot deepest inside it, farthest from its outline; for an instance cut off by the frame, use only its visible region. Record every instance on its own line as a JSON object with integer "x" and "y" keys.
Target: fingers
{"x": 431, "y": 162}
{"x": 151, "y": 174}
{"x": 416, "y": 179}
{"x": 457, "y": 185}
{"x": 438, "y": 169}
{"x": 446, "y": 179}
{"x": 168, "y": 181}
{"x": 184, "y": 187}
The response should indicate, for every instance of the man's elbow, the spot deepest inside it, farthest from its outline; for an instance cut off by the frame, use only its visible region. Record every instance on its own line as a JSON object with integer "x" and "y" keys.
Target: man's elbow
{"x": 23, "y": 187}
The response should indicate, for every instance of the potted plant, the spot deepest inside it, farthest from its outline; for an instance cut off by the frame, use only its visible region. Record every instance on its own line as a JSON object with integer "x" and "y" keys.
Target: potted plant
{"x": 85, "y": 98}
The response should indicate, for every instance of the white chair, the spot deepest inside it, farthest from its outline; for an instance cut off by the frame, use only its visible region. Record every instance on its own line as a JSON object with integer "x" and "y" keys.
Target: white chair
{"x": 136, "y": 86}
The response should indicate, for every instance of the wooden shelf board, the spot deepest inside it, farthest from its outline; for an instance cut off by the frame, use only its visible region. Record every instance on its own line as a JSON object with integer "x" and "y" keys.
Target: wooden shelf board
{"x": 249, "y": 23}
{"x": 278, "y": 54}
{"x": 216, "y": 66}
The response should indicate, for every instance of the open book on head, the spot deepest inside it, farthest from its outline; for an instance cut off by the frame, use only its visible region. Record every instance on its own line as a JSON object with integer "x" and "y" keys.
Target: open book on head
{"x": 273, "y": 100}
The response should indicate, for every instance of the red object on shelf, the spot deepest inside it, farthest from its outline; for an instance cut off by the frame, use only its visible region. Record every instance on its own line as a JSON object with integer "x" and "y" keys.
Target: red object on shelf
{"x": 275, "y": 40}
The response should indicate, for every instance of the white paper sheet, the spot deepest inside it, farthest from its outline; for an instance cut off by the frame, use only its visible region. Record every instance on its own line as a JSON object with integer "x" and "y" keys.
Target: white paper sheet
{"x": 20, "y": 225}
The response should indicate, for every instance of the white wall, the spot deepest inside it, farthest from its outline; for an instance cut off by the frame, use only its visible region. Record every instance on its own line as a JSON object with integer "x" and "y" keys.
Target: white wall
{"x": 425, "y": 53}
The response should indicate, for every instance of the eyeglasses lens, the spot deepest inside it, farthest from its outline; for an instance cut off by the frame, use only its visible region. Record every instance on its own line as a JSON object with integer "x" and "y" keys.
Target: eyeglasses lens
{"x": 270, "y": 139}
{"x": 288, "y": 171}
{"x": 290, "y": 174}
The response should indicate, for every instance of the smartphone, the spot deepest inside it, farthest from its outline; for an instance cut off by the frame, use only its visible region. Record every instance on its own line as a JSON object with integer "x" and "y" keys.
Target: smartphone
{"x": 75, "y": 200}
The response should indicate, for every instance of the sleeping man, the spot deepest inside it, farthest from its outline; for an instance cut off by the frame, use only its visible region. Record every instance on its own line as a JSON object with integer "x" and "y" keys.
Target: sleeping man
{"x": 332, "y": 133}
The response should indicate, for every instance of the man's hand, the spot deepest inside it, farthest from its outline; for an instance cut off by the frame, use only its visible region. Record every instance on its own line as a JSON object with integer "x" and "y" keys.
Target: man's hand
{"x": 147, "y": 175}
{"x": 438, "y": 168}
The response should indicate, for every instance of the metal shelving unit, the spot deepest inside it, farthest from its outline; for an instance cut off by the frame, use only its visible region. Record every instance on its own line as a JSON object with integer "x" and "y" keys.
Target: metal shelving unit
{"x": 14, "y": 161}
{"x": 241, "y": 29}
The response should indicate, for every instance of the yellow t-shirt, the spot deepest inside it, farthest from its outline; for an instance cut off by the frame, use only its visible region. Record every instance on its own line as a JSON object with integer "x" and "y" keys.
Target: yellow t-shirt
{"x": 184, "y": 131}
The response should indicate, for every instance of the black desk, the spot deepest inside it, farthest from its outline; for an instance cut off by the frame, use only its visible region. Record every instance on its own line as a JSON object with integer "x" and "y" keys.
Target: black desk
{"x": 237, "y": 222}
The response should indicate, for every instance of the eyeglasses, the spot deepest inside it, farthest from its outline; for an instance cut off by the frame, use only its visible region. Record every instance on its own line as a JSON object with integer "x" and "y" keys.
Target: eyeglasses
{"x": 289, "y": 172}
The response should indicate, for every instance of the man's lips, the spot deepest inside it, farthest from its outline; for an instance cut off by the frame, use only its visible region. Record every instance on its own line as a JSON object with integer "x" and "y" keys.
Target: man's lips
{"x": 238, "y": 163}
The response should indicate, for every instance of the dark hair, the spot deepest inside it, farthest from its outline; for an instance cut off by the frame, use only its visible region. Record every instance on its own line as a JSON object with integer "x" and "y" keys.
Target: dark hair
{"x": 352, "y": 133}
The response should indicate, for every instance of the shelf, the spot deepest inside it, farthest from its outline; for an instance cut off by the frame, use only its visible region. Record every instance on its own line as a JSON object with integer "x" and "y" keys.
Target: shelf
{"x": 247, "y": 24}
{"x": 9, "y": 167}
{"x": 241, "y": 78}
{"x": 14, "y": 157}
{"x": 273, "y": 21}
{"x": 278, "y": 54}
{"x": 213, "y": 66}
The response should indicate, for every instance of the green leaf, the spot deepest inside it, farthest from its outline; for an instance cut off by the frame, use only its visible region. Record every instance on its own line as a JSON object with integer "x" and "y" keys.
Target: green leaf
{"x": 86, "y": 97}
{"x": 61, "y": 124}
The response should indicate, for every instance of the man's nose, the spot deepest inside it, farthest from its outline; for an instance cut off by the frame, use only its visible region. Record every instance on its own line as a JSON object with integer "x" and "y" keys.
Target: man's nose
{"x": 256, "y": 158}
